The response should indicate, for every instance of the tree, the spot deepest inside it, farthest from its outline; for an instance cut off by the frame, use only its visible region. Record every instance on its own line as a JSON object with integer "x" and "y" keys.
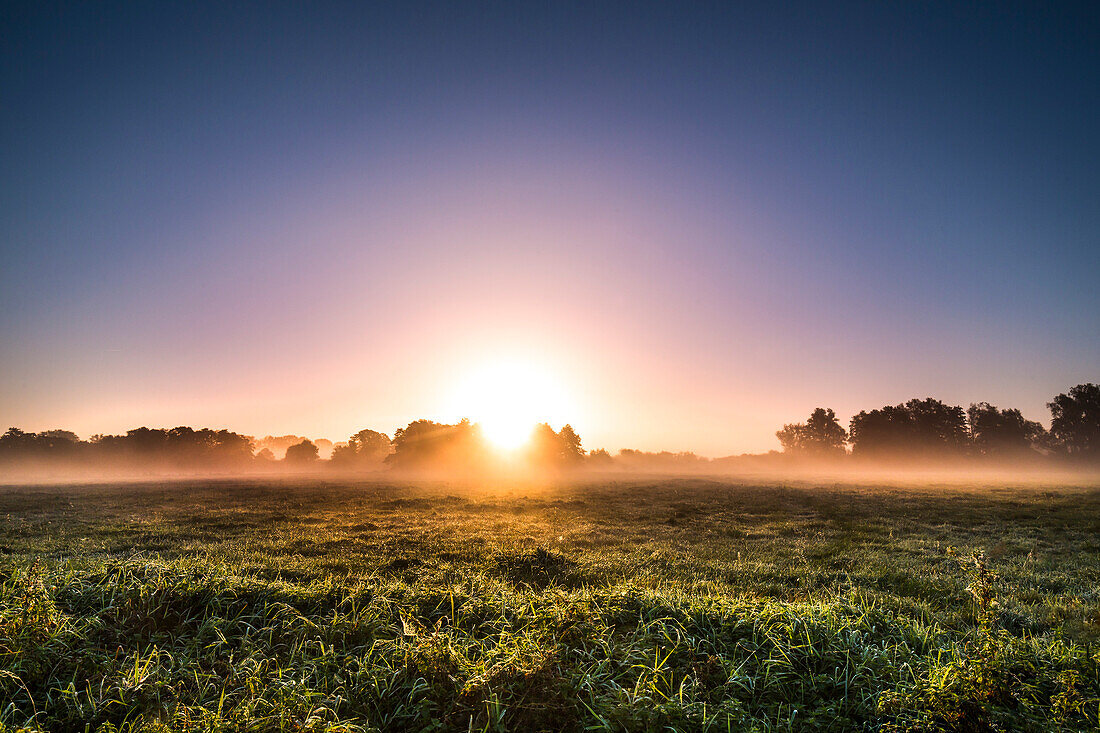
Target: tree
{"x": 918, "y": 428}
{"x": 820, "y": 435}
{"x": 145, "y": 441}
{"x": 1001, "y": 432}
{"x": 303, "y": 453}
{"x": 63, "y": 436}
{"x": 571, "y": 450}
{"x": 45, "y": 444}
{"x": 16, "y": 440}
{"x": 880, "y": 432}
{"x": 938, "y": 427}
{"x": 367, "y": 447}
{"x": 663, "y": 460}
{"x": 1075, "y": 421}
{"x": 425, "y": 444}
{"x": 599, "y": 457}
{"x": 278, "y": 444}
{"x": 550, "y": 448}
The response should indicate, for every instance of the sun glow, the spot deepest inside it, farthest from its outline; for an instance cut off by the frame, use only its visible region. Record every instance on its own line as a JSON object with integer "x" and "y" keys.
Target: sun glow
{"x": 507, "y": 399}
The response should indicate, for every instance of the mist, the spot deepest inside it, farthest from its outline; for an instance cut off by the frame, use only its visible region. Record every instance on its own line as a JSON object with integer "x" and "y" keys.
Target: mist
{"x": 920, "y": 440}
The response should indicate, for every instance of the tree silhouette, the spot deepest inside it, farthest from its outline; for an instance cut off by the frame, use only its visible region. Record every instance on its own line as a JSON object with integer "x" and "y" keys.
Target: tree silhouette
{"x": 425, "y": 444}
{"x": 1001, "y": 432}
{"x": 365, "y": 448}
{"x": 550, "y": 448}
{"x": 937, "y": 426}
{"x": 59, "y": 436}
{"x": 49, "y": 443}
{"x": 600, "y": 457}
{"x": 571, "y": 448}
{"x": 278, "y": 444}
{"x": 1075, "y": 423}
{"x": 918, "y": 428}
{"x": 303, "y": 453}
{"x": 820, "y": 435}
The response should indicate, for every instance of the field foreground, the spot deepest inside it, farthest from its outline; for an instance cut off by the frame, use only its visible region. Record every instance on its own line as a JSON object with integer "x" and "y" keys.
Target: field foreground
{"x": 623, "y": 605}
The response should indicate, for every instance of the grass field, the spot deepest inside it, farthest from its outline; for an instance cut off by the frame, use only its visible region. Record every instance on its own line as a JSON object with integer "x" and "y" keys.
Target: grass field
{"x": 664, "y": 604}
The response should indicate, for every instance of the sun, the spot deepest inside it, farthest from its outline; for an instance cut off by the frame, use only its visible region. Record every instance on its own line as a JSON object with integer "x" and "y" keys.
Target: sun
{"x": 507, "y": 398}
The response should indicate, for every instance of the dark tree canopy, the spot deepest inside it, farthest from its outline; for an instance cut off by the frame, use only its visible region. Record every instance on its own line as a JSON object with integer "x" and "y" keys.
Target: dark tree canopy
{"x": 880, "y": 432}
{"x": 916, "y": 429}
{"x": 139, "y": 450}
{"x": 63, "y": 436}
{"x": 996, "y": 432}
{"x": 302, "y": 453}
{"x": 365, "y": 448}
{"x": 820, "y": 435}
{"x": 181, "y": 447}
{"x": 1075, "y": 421}
{"x": 19, "y": 445}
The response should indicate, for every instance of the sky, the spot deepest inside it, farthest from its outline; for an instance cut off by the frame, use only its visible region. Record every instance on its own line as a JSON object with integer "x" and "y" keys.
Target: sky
{"x": 694, "y": 221}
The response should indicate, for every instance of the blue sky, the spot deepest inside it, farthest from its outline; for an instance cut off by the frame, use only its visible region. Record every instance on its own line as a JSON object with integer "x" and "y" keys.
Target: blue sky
{"x": 706, "y": 219}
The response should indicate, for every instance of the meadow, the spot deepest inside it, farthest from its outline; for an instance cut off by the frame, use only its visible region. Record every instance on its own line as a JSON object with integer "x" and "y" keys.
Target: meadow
{"x": 638, "y": 604}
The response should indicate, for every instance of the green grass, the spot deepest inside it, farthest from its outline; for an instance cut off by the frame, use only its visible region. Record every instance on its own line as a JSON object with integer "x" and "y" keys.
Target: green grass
{"x": 619, "y": 605}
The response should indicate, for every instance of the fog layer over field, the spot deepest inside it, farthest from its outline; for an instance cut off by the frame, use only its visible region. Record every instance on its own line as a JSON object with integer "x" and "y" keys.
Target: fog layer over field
{"x": 920, "y": 439}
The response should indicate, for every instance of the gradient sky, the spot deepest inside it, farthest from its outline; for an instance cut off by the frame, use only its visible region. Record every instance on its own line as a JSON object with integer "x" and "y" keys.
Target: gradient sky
{"x": 702, "y": 219}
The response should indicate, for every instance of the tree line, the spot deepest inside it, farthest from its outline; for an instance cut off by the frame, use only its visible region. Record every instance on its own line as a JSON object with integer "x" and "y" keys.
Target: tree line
{"x": 917, "y": 430}
{"x": 928, "y": 429}
{"x": 422, "y": 445}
